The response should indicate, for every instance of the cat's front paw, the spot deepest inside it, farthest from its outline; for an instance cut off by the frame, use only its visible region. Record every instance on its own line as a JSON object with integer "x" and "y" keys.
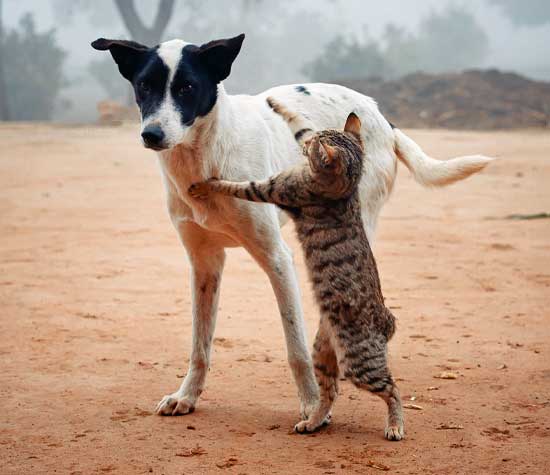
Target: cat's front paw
{"x": 200, "y": 190}
{"x": 395, "y": 432}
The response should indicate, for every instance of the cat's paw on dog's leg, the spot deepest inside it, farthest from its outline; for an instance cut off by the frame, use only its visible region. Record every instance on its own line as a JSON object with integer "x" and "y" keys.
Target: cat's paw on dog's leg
{"x": 199, "y": 191}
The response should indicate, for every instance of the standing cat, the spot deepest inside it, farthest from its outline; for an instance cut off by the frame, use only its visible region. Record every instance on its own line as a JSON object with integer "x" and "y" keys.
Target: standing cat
{"x": 322, "y": 198}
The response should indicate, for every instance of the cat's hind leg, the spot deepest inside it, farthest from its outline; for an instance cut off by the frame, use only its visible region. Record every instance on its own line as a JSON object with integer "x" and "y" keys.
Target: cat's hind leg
{"x": 369, "y": 370}
{"x": 326, "y": 371}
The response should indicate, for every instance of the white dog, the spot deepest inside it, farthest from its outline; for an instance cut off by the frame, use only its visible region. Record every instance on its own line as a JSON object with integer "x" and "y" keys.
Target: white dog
{"x": 200, "y": 131}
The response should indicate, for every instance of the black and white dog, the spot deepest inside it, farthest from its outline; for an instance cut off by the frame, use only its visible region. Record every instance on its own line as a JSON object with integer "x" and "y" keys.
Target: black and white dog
{"x": 199, "y": 131}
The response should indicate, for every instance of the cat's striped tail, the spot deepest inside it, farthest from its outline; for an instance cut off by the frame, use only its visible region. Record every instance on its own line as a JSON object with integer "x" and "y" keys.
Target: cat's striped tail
{"x": 300, "y": 127}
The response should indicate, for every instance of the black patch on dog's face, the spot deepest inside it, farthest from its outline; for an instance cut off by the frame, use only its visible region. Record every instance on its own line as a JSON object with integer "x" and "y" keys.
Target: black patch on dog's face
{"x": 141, "y": 66}
{"x": 193, "y": 89}
{"x": 149, "y": 84}
{"x": 194, "y": 86}
{"x": 303, "y": 90}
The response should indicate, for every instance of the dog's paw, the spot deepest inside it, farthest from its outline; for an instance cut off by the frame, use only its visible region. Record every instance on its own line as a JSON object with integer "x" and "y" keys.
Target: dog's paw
{"x": 394, "y": 432}
{"x": 308, "y": 408}
{"x": 174, "y": 405}
{"x": 307, "y": 427}
{"x": 199, "y": 191}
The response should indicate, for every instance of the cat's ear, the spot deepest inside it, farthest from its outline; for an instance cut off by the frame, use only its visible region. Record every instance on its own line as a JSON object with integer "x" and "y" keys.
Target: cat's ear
{"x": 218, "y": 56}
{"x": 353, "y": 125}
{"x": 331, "y": 153}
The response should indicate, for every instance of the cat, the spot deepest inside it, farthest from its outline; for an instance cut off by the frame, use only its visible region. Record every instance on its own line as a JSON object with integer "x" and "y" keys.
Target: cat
{"x": 321, "y": 196}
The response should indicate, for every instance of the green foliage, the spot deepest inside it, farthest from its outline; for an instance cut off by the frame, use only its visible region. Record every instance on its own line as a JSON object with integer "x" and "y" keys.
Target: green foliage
{"x": 446, "y": 41}
{"x": 33, "y": 70}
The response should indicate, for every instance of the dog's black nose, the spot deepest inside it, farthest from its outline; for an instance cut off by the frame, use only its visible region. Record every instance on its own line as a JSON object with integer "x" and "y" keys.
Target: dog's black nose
{"x": 153, "y": 136}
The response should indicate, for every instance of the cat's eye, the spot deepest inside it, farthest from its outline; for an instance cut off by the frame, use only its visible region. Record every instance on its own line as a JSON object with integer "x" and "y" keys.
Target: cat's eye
{"x": 185, "y": 89}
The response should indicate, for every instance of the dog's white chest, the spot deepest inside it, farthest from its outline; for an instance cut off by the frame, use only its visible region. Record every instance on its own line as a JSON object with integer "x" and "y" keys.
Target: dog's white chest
{"x": 180, "y": 169}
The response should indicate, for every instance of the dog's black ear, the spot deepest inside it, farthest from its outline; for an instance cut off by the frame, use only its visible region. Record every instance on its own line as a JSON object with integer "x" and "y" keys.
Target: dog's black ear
{"x": 128, "y": 55}
{"x": 218, "y": 56}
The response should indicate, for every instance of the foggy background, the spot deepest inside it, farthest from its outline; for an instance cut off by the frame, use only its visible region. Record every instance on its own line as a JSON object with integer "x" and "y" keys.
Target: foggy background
{"x": 52, "y": 73}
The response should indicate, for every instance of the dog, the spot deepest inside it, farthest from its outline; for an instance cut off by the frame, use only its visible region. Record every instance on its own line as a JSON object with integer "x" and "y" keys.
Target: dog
{"x": 199, "y": 131}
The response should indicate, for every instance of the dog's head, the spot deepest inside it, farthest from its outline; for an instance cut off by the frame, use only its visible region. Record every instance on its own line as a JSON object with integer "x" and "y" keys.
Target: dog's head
{"x": 175, "y": 82}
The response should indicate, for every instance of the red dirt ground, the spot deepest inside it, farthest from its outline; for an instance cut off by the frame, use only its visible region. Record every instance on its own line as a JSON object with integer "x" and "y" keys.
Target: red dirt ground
{"x": 95, "y": 324}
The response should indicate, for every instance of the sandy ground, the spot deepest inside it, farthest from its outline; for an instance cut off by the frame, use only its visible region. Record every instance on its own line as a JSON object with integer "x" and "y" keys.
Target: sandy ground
{"x": 95, "y": 322}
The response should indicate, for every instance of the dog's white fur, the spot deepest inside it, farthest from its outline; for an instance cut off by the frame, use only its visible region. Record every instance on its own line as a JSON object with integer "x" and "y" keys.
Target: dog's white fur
{"x": 242, "y": 139}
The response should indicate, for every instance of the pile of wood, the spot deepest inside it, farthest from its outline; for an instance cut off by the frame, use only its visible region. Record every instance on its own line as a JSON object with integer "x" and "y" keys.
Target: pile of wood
{"x": 114, "y": 113}
{"x": 482, "y": 100}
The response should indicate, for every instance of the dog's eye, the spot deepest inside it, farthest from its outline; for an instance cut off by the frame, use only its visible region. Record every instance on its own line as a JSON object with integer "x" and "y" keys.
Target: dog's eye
{"x": 144, "y": 87}
{"x": 185, "y": 89}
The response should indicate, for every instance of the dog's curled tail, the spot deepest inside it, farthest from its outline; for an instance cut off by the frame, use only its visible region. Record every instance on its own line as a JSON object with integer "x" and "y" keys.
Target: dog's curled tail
{"x": 300, "y": 127}
{"x": 431, "y": 172}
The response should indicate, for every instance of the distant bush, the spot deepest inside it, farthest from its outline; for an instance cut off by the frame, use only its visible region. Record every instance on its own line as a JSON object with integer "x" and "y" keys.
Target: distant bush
{"x": 33, "y": 71}
{"x": 446, "y": 41}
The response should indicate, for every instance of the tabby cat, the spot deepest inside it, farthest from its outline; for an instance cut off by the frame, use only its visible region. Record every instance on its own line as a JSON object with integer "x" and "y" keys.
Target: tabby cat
{"x": 321, "y": 196}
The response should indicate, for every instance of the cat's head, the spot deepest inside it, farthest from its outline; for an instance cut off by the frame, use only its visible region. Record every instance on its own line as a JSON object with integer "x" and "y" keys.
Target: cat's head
{"x": 337, "y": 154}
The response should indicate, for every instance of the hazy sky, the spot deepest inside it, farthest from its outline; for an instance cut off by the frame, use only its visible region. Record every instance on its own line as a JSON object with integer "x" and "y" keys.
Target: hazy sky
{"x": 524, "y": 49}
{"x": 511, "y": 48}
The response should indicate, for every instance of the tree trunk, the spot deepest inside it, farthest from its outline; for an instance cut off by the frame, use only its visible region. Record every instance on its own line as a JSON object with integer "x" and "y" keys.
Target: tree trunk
{"x": 4, "y": 108}
{"x": 149, "y": 36}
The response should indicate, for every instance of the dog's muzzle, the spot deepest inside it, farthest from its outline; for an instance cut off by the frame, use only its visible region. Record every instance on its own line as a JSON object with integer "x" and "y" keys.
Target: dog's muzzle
{"x": 153, "y": 137}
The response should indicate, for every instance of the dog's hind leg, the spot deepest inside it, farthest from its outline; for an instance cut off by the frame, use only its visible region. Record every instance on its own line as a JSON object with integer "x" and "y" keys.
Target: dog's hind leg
{"x": 267, "y": 247}
{"x": 207, "y": 260}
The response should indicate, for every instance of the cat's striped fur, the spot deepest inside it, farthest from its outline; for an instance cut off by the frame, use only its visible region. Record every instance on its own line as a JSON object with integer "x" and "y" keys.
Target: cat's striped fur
{"x": 322, "y": 198}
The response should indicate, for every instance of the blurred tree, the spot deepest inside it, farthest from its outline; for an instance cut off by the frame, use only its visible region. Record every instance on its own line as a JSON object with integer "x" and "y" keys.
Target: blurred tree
{"x": 33, "y": 71}
{"x": 280, "y": 37}
{"x": 445, "y": 41}
{"x": 4, "y": 109}
{"x": 138, "y": 31}
{"x": 103, "y": 70}
{"x": 271, "y": 27}
{"x": 267, "y": 24}
{"x": 531, "y": 13}
{"x": 348, "y": 59}
{"x": 108, "y": 12}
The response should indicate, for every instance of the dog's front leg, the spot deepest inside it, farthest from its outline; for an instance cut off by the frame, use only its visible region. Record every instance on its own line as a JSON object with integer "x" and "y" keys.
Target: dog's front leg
{"x": 275, "y": 258}
{"x": 207, "y": 260}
